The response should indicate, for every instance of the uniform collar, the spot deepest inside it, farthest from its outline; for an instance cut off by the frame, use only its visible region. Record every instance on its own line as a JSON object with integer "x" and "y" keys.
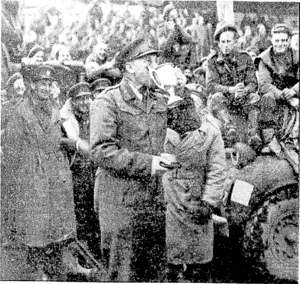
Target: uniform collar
{"x": 221, "y": 57}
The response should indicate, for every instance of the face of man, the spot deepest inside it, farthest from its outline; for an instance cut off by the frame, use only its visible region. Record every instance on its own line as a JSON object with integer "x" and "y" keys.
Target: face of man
{"x": 38, "y": 57}
{"x": 262, "y": 30}
{"x": 280, "y": 42}
{"x": 43, "y": 89}
{"x": 101, "y": 51}
{"x": 81, "y": 104}
{"x": 173, "y": 15}
{"x": 139, "y": 68}
{"x": 19, "y": 87}
{"x": 64, "y": 55}
{"x": 227, "y": 42}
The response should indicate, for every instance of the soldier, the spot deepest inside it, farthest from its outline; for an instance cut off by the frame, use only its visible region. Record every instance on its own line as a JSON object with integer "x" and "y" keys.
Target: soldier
{"x": 36, "y": 54}
{"x": 232, "y": 84}
{"x": 11, "y": 97}
{"x": 15, "y": 88}
{"x": 75, "y": 117}
{"x": 128, "y": 128}
{"x": 278, "y": 75}
{"x": 176, "y": 44}
{"x": 37, "y": 201}
{"x": 97, "y": 64}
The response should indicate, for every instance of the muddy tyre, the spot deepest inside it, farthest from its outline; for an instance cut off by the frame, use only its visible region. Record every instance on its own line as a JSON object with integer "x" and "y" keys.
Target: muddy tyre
{"x": 270, "y": 241}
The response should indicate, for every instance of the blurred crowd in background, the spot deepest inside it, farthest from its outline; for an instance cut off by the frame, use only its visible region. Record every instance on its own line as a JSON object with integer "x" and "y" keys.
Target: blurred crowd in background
{"x": 50, "y": 28}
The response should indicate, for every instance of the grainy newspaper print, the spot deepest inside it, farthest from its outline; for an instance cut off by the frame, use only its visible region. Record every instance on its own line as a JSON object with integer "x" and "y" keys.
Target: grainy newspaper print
{"x": 149, "y": 141}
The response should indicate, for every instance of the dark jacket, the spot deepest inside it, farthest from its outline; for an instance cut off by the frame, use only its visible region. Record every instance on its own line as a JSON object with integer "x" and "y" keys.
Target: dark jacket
{"x": 37, "y": 193}
{"x": 222, "y": 74}
{"x": 278, "y": 72}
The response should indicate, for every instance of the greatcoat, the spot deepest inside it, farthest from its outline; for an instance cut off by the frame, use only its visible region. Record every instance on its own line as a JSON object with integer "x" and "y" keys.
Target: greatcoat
{"x": 201, "y": 178}
{"x": 124, "y": 134}
{"x": 37, "y": 196}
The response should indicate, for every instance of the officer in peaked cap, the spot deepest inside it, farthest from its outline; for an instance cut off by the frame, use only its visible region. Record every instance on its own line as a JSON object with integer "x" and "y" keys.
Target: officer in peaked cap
{"x": 100, "y": 84}
{"x": 75, "y": 118}
{"x": 127, "y": 133}
{"x": 224, "y": 28}
{"x": 41, "y": 81}
{"x": 43, "y": 72}
{"x": 78, "y": 90}
{"x": 134, "y": 50}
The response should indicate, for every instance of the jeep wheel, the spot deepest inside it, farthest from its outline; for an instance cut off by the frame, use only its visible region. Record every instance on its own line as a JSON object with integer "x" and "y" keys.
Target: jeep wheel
{"x": 271, "y": 237}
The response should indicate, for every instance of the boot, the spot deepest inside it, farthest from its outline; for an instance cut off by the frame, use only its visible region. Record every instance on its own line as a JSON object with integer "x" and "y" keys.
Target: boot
{"x": 71, "y": 265}
{"x": 267, "y": 135}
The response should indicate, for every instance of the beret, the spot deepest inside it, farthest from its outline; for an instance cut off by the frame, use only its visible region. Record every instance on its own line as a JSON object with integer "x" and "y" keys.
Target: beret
{"x": 34, "y": 50}
{"x": 136, "y": 49}
{"x": 43, "y": 72}
{"x": 12, "y": 79}
{"x": 224, "y": 28}
{"x": 100, "y": 84}
{"x": 167, "y": 10}
{"x": 281, "y": 28}
{"x": 78, "y": 90}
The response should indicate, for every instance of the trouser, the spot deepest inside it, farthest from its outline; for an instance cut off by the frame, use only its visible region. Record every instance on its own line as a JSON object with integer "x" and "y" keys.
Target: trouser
{"x": 136, "y": 253}
{"x": 221, "y": 107}
{"x": 87, "y": 223}
{"x": 268, "y": 107}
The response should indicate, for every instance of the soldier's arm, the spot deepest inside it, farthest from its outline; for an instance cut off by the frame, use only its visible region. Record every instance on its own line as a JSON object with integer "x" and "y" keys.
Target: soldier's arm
{"x": 212, "y": 80}
{"x": 106, "y": 151}
{"x": 94, "y": 70}
{"x": 295, "y": 88}
{"x": 216, "y": 170}
{"x": 265, "y": 81}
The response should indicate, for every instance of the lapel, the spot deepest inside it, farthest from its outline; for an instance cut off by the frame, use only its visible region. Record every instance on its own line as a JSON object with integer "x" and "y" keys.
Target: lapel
{"x": 129, "y": 96}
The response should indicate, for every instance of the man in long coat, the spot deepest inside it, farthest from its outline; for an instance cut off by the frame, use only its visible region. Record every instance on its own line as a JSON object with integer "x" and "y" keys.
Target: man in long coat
{"x": 37, "y": 205}
{"x": 128, "y": 128}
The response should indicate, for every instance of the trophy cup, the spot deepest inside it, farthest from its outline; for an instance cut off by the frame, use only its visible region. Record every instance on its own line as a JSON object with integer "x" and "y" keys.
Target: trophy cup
{"x": 164, "y": 77}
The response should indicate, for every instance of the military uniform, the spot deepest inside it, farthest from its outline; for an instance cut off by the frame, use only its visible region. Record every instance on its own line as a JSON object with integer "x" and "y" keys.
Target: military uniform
{"x": 125, "y": 134}
{"x": 76, "y": 127}
{"x": 276, "y": 72}
{"x": 224, "y": 72}
{"x": 37, "y": 200}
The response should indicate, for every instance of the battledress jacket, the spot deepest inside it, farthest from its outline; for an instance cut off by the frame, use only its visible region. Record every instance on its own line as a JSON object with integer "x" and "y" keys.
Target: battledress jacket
{"x": 37, "y": 193}
{"x": 201, "y": 178}
{"x": 125, "y": 132}
{"x": 276, "y": 72}
{"x": 222, "y": 74}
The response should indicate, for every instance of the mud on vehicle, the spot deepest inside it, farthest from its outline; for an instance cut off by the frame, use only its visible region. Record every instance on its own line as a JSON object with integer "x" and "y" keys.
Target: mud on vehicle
{"x": 262, "y": 208}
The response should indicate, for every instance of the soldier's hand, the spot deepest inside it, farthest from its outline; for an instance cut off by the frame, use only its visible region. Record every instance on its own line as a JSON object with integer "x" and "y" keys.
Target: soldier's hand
{"x": 288, "y": 93}
{"x": 240, "y": 94}
{"x": 156, "y": 167}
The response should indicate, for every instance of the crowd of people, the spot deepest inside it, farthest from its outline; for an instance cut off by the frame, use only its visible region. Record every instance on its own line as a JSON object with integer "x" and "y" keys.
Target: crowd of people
{"x": 97, "y": 161}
